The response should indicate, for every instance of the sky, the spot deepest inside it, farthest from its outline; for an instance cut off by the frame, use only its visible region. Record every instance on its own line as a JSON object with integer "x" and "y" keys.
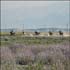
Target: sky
{"x": 34, "y": 14}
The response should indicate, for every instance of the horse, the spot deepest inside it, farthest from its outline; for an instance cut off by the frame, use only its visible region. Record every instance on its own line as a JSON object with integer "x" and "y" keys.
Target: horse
{"x": 12, "y": 33}
{"x": 60, "y": 33}
{"x": 37, "y": 33}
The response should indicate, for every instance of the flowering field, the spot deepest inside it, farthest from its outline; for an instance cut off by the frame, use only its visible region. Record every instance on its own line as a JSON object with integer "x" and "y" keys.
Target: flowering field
{"x": 35, "y": 53}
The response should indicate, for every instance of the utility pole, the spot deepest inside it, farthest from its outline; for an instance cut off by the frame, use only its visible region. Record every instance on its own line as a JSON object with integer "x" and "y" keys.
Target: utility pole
{"x": 23, "y": 29}
{"x": 67, "y": 28}
{"x": 23, "y": 26}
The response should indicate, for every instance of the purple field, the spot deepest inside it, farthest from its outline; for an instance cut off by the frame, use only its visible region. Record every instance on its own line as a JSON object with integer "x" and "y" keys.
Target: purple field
{"x": 49, "y": 57}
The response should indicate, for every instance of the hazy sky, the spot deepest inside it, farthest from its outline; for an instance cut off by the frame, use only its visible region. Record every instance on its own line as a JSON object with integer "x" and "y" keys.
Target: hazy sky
{"x": 34, "y": 14}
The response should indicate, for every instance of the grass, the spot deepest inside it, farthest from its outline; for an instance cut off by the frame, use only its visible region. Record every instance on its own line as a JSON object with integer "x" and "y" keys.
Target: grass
{"x": 7, "y": 40}
{"x": 35, "y": 53}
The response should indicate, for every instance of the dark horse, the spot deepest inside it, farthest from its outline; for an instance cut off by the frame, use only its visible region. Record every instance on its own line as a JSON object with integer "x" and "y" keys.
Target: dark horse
{"x": 37, "y": 33}
{"x": 60, "y": 33}
{"x": 12, "y": 33}
{"x": 50, "y": 33}
{"x": 23, "y": 32}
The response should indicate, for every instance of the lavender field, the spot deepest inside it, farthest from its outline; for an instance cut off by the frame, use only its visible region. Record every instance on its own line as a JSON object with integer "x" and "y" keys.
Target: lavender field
{"x": 35, "y": 53}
